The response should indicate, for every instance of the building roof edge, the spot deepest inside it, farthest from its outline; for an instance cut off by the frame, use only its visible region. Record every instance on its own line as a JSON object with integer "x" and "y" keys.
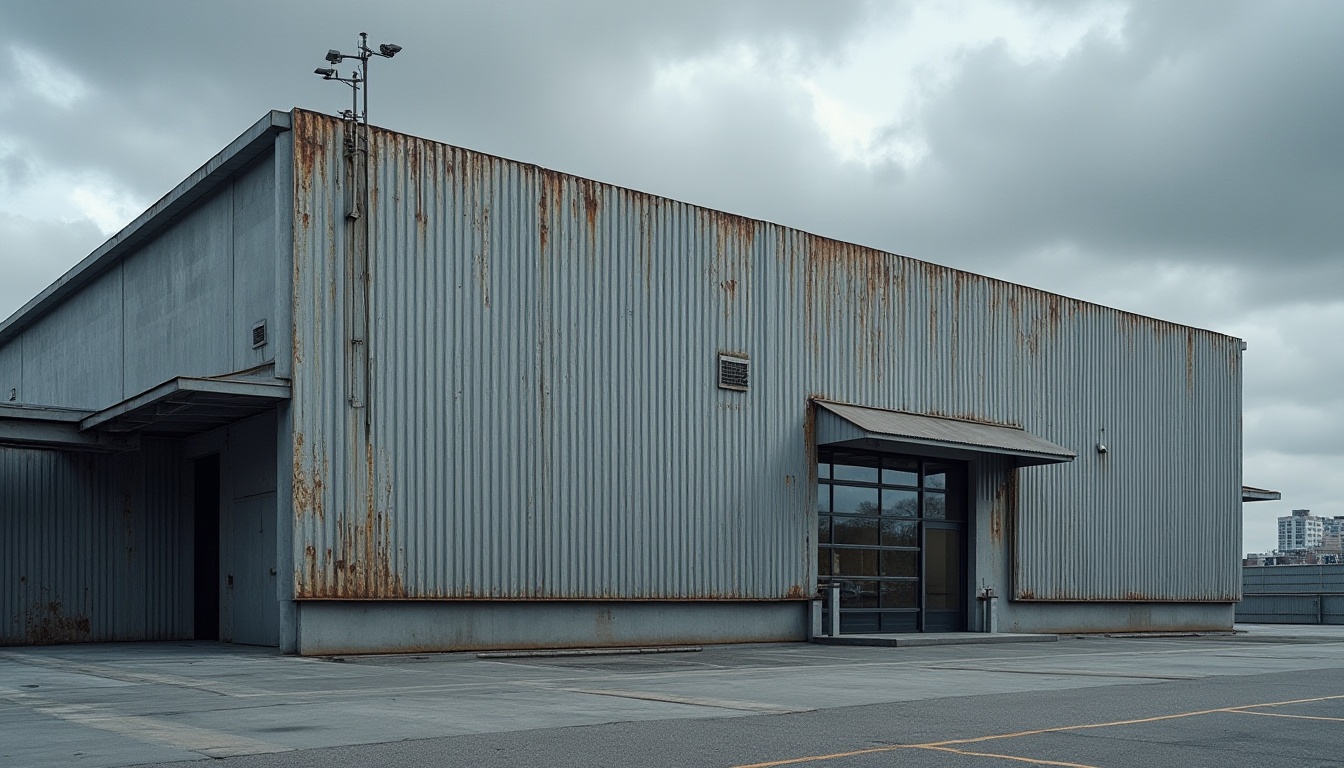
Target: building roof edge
{"x": 238, "y": 153}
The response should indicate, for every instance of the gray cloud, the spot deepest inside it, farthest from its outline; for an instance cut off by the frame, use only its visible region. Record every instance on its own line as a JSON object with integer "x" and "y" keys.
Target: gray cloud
{"x": 1187, "y": 169}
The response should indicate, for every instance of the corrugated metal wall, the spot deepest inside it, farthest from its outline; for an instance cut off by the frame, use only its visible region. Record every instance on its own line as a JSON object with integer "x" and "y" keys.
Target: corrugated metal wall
{"x": 544, "y": 419}
{"x": 93, "y": 547}
{"x": 1292, "y": 579}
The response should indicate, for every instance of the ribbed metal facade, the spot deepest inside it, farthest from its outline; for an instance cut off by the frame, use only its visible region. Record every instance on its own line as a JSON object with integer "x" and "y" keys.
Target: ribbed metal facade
{"x": 93, "y": 547}
{"x": 542, "y": 420}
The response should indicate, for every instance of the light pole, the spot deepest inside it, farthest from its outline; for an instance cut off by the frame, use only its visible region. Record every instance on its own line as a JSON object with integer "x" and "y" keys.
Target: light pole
{"x": 358, "y": 250}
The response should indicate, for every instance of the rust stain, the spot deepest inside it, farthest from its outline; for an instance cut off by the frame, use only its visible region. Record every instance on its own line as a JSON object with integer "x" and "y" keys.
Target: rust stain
{"x": 592, "y": 204}
{"x": 796, "y": 592}
{"x": 46, "y": 623}
{"x": 362, "y": 565}
{"x": 855, "y": 289}
{"x": 1190, "y": 360}
{"x": 309, "y": 487}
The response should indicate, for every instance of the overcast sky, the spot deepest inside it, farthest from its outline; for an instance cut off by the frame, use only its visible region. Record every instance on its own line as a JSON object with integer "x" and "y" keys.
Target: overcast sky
{"x": 1178, "y": 159}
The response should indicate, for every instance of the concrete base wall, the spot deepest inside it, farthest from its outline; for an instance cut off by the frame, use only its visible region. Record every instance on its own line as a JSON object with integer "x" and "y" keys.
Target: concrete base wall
{"x": 337, "y": 627}
{"x": 1064, "y": 618}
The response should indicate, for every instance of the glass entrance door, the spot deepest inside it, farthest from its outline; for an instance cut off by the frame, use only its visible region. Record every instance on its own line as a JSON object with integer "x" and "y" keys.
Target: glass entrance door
{"x": 891, "y": 535}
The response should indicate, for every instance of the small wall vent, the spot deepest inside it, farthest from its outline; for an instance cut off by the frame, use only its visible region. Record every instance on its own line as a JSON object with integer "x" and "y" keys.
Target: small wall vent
{"x": 259, "y": 335}
{"x": 733, "y": 370}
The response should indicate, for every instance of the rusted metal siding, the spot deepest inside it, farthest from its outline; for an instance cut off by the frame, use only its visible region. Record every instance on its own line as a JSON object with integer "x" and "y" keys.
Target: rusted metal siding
{"x": 93, "y": 547}
{"x": 544, "y": 421}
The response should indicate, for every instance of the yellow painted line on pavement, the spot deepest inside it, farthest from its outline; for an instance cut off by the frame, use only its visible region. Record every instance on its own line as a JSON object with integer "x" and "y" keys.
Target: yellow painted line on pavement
{"x": 1018, "y": 758}
{"x": 1296, "y": 717}
{"x": 1018, "y": 734}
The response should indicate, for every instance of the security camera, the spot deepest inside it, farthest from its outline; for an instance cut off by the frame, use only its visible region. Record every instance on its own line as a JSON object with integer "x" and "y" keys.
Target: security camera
{"x": 328, "y": 73}
{"x": 389, "y": 49}
{"x": 334, "y": 56}
{"x": 1101, "y": 448}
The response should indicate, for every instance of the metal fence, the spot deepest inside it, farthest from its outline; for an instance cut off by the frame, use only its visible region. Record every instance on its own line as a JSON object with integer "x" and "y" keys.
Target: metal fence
{"x": 1292, "y": 594}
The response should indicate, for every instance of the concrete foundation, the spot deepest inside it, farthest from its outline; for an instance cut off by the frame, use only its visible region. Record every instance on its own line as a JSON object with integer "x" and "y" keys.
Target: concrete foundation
{"x": 340, "y": 627}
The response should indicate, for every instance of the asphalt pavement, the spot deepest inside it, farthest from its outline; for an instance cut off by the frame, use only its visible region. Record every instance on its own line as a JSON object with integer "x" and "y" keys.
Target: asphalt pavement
{"x": 1268, "y": 696}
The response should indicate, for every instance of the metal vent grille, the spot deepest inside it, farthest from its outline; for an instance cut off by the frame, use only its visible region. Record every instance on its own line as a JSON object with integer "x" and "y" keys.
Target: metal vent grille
{"x": 259, "y": 335}
{"x": 733, "y": 371}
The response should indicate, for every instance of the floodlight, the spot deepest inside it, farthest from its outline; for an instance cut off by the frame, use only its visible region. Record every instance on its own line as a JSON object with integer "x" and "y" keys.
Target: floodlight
{"x": 334, "y": 56}
{"x": 328, "y": 73}
{"x": 389, "y": 49}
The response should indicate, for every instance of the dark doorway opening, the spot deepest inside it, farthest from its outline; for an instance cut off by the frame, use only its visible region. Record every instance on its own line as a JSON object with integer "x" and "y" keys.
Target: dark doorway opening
{"x": 206, "y": 547}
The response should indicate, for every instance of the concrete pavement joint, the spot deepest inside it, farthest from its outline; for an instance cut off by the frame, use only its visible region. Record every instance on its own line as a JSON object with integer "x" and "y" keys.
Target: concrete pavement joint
{"x": 1018, "y": 734}
{"x": 741, "y": 706}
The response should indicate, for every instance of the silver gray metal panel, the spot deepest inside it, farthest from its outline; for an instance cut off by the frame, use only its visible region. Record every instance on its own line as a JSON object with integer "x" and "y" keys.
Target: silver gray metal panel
{"x": 11, "y": 372}
{"x": 544, "y": 420}
{"x": 93, "y": 547}
{"x": 366, "y": 626}
{"x": 182, "y": 302}
{"x": 1321, "y": 608}
{"x": 72, "y": 356}
{"x": 1305, "y": 579}
{"x": 944, "y": 432}
{"x": 253, "y": 259}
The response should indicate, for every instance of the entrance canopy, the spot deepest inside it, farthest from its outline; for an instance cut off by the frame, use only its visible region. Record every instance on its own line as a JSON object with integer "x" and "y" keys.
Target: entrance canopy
{"x": 841, "y": 424}
{"x": 180, "y": 407}
{"x": 189, "y": 406}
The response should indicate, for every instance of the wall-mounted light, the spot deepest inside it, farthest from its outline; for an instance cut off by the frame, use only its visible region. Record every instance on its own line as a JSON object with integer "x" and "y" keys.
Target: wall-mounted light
{"x": 1101, "y": 441}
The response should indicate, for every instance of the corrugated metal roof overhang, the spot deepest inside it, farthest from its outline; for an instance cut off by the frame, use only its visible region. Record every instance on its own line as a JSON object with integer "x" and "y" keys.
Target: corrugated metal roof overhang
{"x": 39, "y": 426}
{"x": 840, "y": 423}
{"x": 188, "y": 406}
{"x": 1250, "y": 493}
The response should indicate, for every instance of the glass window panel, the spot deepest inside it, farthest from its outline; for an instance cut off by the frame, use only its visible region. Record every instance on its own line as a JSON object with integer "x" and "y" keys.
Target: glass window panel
{"x": 900, "y": 622}
{"x": 854, "y": 501}
{"x": 854, "y": 530}
{"x": 900, "y": 472}
{"x": 900, "y": 503}
{"x": 856, "y": 562}
{"x": 824, "y": 499}
{"x": 899, "y": 533}
{"x": 956, "y": 504}
{"x": 942, "y": 570}
{"x": 858, "y": 594}
{"x": 855, "y": 466}
{"x": 935, "y": 505}
{"x": 825, "y": 561}
{"x": 823, "y": 529}
{"x": 935, "y": 474}
{"x": 900, "y": 564}
{"x": 823, "y": 468}
{"x": 866, "y": 623}
{"x": 899, "y": 594}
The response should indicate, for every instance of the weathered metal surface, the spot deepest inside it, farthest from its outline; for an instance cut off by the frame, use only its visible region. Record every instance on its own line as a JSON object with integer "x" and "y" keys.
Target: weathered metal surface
{"x": 1289, "y": 579}
{"x": 1295, "y": 608}
{"x": 179, "y": 298}
{"x": 90, "y": 550}
{"x": 544, "y": 421}
{"x": 942, "y": 432}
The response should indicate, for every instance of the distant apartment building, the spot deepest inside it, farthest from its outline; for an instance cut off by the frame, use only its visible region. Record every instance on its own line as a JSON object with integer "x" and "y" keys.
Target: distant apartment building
{"x": 1301, "y": 530}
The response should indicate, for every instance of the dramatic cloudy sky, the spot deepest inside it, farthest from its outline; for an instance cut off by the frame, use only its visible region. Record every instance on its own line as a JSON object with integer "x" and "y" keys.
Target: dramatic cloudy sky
{"x": 1179, "y": 159}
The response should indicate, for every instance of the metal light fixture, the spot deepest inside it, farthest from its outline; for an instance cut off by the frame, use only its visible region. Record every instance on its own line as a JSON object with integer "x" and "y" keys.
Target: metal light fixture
{"x": 359, "y": 79}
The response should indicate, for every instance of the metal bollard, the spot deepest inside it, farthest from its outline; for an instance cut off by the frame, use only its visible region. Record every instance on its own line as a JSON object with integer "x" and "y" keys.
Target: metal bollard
{"x": 833, "y": 600}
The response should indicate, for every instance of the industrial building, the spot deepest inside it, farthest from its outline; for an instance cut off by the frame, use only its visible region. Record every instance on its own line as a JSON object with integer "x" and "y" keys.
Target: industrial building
{"x": 447, "y": 400}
